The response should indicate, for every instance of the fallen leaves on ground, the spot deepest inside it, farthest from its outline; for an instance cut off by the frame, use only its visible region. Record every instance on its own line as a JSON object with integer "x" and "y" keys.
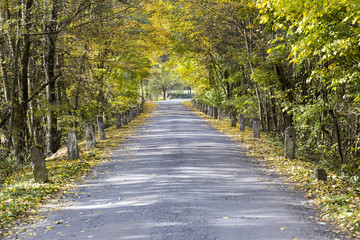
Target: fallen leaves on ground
{"x": 20, "y": 197}
{"x": 339, "y": 200}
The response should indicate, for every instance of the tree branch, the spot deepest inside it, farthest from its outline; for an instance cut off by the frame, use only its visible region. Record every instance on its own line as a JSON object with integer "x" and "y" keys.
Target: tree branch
{"x": 42, "y": 87}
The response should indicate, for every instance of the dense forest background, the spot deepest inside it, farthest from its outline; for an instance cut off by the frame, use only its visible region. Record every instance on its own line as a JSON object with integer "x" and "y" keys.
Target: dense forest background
{"x": 62, "y": 62}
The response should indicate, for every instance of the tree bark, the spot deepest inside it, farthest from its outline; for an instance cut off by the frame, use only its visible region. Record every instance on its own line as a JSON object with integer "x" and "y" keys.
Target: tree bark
{"x": 14, "y": 124}
{"x": 5, "y": 77}
{"x": 52, "y": 135}
{"x": 338, "y": 135}
{"x": 25, "y": 68}
{"x": 164, "y": 93}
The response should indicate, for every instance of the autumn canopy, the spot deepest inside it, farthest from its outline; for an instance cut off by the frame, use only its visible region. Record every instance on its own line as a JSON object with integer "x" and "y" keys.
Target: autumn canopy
{"x": 289, "y": 63}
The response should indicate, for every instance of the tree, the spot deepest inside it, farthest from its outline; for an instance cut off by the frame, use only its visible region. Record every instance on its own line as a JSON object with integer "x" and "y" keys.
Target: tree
{"x": 162, "y": 80}
{"x": 287, "y": 65}
{"x": 96, "y": 41}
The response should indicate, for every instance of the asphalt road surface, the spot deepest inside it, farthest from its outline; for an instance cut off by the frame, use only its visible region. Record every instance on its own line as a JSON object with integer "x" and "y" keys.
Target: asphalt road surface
{"x": 180, "y": 179}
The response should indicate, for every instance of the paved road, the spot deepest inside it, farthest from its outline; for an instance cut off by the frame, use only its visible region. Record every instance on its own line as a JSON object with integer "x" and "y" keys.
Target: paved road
{"x": 180, "y": 179}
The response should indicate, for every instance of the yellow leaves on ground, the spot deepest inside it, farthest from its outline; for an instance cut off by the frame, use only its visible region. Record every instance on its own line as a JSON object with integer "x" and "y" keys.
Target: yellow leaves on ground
{"x": 19, "y": 196}
{"x": 339, "y": 200}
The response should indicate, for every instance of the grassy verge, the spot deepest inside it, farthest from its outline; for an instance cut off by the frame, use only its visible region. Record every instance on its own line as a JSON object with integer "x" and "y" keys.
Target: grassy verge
{"x": 20, "y": 197}
{"x": 338, "y": 200}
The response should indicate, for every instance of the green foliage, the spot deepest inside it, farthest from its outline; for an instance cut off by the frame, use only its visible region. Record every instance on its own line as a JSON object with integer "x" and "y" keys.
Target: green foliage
{"x": 286, "y": 64}
{"x": 162, "y": 80}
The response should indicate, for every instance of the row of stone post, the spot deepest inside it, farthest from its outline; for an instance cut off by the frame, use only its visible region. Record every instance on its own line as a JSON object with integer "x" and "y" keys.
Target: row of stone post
{"x": 207, "y": 109}
{"x": 123, "y": 118}
{"x": 290, "y": 132}
{"x": 37, "y": 153}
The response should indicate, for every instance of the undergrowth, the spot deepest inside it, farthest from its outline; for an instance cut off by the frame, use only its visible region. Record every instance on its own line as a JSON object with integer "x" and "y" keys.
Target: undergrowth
{"x": 20, "y": 197}
{"x": 337, "y": 198}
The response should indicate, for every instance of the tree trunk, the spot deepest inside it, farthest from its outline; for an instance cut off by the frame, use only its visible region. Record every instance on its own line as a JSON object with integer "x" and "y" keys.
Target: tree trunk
{"x": 14, "y": 125}
{"x": 273, "y": 110}
{"x": 24, "y": 70}
{"x": 285, "y": 85}
{"x": 5, "y": 78}
{"x": 52, "y": 135}
{"x": 164, "y": 94}
{"x": 338, "y": 135}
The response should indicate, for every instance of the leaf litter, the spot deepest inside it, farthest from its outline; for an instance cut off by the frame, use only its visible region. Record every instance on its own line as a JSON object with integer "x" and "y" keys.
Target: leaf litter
{"x": 21, "y": 198}
{"x": 337, "y": 199}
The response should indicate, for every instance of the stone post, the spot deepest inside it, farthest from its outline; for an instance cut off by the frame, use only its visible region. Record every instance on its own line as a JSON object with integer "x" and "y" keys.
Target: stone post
{"x": 290, "y": 139}
{"x": 132, "y": 114}
{"x": 118, "y": 120}
{"x": 90, "y": 136}
{"x": 256, "y": 128}
{"x": 320, "y": 174}
{"x": 220, "y": 112}
{"x": 101, "y": 127}
{"x": 233, "y": 119}
{"x": 123, "y": 117}
{"x": 215, "y": 113}
{"x": 241, "y": 123}
{"x": 128, "y": 117}
{"x": 72, "y": 146}
{"x": 136, "y": 110}
{"x": 38, "y": 164}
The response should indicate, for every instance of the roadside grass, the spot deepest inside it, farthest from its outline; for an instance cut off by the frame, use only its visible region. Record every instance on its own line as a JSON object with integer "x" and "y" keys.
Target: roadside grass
{"x": 337, "y": 199}
{"x": 21, "y": 198}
